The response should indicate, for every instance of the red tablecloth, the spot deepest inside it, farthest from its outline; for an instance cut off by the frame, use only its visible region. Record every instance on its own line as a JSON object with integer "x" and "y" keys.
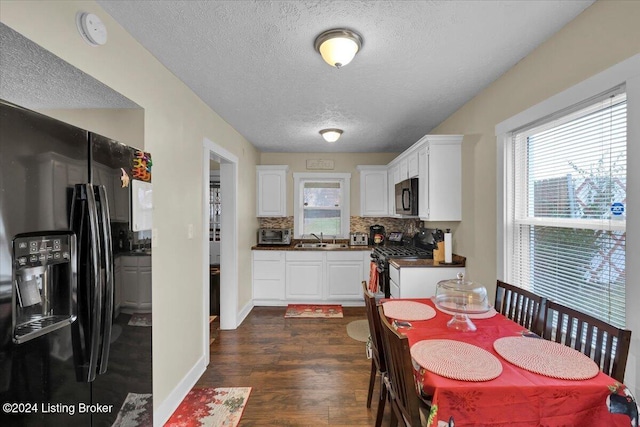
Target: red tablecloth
{"x": 517, "y": 397}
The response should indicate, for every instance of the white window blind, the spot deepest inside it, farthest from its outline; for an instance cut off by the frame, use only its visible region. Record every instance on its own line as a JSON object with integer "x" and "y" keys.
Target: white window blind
{"x": 322, "y": 203}
{"x": 568, "y": 207}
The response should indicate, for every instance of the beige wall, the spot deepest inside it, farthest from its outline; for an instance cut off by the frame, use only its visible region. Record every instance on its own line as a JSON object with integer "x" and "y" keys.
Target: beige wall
{"x": 603, "y": 35}
{"x": 175, "y": 124}
{"x": 343, "y": 163}
{"x": 125, "y": 125}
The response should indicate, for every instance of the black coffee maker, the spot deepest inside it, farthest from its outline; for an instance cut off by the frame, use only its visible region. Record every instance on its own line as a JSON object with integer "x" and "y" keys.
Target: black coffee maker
{"x": 376, "y": 235}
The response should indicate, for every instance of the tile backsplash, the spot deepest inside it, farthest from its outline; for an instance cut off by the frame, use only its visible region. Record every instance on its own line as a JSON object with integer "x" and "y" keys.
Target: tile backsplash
{"x": 357, "y": 224}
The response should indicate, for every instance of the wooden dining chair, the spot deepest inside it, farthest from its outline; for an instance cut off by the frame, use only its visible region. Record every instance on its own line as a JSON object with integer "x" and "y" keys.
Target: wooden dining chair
{"x": 378, "y": 363}
{"x": 408, "y": 409}
{"x": 607, "y": 345}
{"x": 521, "y": 306}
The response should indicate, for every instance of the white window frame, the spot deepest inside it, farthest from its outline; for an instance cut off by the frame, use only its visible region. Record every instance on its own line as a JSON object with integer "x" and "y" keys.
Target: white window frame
{"x": 627, "y": 73}
{"x": 345, "y": 182}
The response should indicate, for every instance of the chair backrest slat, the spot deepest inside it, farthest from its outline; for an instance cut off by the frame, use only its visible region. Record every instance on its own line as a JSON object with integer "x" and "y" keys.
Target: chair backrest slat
{"x": 403, "y": 393}
{"x": 375, "y": 329}
{"x": 607, "y": 345}
{"x": 521, "y": 306}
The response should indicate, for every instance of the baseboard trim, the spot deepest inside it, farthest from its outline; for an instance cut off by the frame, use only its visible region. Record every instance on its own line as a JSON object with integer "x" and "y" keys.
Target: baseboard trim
{"x": 280, "y": 303}
{"x": 163, "y": 411}
{"x": 244, "y": 313}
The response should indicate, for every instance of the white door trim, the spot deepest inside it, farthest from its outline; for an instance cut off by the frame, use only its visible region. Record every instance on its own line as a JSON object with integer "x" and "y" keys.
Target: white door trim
{"x": 228, "y": 239}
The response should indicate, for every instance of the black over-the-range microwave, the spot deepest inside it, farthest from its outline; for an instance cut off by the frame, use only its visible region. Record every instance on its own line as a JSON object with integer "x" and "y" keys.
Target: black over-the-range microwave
{"x": 274, "y": 236}
{"x": 407, "y": 197}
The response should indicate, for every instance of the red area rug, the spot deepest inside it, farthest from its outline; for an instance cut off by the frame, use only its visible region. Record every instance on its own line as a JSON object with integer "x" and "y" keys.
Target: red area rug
{"x": 137, "y": 410}
{"x": 307, "y": 310}
{"x": 211, "y": 407}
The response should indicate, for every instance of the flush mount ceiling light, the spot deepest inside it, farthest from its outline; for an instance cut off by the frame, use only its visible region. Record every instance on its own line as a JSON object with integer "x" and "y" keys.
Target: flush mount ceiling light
{"x": 338, "y": 46}
{"x": 331, "y": 135}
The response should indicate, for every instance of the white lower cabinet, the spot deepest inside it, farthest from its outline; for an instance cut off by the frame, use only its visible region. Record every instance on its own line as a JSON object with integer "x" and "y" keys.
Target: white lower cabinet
{"x": 136, "y": 283}
{"x": 344, "y": 272}
{"x": 268, "y": 276}
{"x": 305, "y": 275}
{"x": 419, "y": 282}
{"x": 281, "y": 277}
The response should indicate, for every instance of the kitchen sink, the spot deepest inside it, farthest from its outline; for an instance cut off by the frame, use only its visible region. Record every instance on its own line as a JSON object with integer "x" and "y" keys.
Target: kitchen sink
{"x": 319, "y": 245}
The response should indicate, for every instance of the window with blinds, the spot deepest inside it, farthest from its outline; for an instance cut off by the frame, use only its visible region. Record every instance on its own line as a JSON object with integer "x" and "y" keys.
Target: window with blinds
{"x": 567, "y": 209}
{"x": 322, "y": 207}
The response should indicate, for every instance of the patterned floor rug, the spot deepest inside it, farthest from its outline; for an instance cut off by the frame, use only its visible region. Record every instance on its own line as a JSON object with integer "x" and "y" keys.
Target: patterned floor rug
{"x": 306, "y": 310}
{"x": 136, "y": 411}
{"x": 140, "y": 319}
{"x": 211, "y": 407}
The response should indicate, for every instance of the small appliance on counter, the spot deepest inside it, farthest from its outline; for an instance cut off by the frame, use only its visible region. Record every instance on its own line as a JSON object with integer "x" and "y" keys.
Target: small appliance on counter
{"x": 358, "y": 239}
{"x": 274, "y": 236}
{"x": 376, "y": 235}
{"x": 395, "y": 238}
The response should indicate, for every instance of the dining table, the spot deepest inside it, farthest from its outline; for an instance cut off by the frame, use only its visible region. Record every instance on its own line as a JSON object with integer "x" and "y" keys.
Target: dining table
{"x": 475, "y": 385}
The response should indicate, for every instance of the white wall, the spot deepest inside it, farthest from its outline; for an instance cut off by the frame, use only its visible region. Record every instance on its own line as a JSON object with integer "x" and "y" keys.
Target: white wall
{"x": 603, "y": 35}
{"x": 175, "y": 125}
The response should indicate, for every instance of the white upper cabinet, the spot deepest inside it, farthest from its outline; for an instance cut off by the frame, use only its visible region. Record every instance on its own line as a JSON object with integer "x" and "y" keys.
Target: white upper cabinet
{"x": 392, "y": 173}
{"x": 407, "y": 165}
{"x": 440, "y": 178}
{"x": 413, "y": 167}
{"x": 373, "y": 191}
{"x": 404, "y": 169}
{"x": 271, "y": 190}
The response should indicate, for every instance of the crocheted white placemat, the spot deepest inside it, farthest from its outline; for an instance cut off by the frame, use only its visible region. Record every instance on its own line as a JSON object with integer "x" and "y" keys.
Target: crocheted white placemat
{"x": 456, "y": 360}
{"x": 546, "y": 358}
{"x": 408, "y": 310}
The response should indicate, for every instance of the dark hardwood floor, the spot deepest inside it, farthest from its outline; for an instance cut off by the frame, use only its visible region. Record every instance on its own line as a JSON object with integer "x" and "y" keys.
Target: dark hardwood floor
{"x": 304, "y": 372}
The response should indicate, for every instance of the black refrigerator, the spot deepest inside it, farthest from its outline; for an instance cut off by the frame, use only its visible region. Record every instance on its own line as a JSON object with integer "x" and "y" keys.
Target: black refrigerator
{"x": 67, "y": 358}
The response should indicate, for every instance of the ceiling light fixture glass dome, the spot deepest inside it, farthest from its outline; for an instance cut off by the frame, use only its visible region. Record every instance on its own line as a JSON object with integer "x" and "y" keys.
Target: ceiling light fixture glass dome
{"x": 331, "y": 135}
{"x": 338, "y": 46}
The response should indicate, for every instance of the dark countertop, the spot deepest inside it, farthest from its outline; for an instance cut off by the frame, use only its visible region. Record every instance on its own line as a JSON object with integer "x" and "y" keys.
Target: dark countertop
{"x": 133, "y": 253}
{"x": 458, "y": 261}
{"x": 293, "y": 243}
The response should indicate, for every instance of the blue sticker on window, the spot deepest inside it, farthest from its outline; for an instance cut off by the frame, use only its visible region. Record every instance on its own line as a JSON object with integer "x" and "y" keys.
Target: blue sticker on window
{"x": 617, "y": 208}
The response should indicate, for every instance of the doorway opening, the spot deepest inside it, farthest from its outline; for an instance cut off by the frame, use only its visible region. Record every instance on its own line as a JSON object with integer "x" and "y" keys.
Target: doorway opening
{"x": 215, "y": 211}
{"x": 222, "y": 252}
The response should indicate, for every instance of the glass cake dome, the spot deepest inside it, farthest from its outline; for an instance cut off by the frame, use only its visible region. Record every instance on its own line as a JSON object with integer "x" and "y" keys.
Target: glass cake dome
{"x": 460, "y": 298}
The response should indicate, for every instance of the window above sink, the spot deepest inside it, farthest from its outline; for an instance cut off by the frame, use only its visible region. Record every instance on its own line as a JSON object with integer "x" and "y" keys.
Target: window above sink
{"x": 321, "y": 204}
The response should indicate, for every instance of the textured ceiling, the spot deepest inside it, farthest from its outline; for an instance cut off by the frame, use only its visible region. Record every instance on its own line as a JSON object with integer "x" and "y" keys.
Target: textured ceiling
{"x": 37, "y": 79}
{"x": 253, "y": 62}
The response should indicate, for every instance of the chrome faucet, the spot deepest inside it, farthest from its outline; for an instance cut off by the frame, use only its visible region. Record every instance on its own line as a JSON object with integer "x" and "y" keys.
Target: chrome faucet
{"x": 319, "y": 238}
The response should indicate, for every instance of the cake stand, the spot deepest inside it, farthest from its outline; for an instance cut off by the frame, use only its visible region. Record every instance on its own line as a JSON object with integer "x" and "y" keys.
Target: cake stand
{"x": 462, "y": 297}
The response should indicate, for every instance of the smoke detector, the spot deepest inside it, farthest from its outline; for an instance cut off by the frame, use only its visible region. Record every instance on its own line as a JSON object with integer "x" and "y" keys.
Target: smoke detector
{"x": 91, "y": 29}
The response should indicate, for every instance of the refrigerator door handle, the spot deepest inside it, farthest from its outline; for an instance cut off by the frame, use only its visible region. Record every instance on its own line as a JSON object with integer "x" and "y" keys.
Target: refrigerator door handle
{"x": 107, "y": 307}
{"x": 96, "y": 310}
